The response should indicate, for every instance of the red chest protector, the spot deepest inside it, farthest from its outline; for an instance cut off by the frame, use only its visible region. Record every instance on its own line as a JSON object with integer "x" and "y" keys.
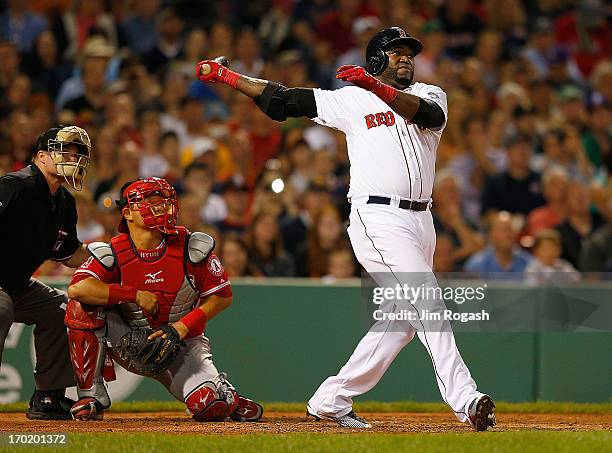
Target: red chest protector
{"x": 165, "y": 276}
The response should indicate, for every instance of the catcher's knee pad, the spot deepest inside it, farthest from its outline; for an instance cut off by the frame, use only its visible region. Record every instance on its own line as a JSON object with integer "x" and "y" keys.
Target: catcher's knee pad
{"x": 84, "y": 317}
{"x": 91, "y": 362}
{"x": 206, "y": 405}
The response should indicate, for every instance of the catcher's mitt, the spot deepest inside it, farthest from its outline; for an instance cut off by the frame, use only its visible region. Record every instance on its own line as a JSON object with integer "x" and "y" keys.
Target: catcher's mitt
{"x": 149, "y": 357}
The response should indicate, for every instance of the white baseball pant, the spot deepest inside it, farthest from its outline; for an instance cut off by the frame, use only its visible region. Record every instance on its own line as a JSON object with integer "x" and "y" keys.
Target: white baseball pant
{"x": 395, "y": 246}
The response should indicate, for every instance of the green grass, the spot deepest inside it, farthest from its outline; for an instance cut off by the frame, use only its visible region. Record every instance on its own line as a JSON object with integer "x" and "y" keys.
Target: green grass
{"x": 456, "y": 442}
{"x": 541, "y": 407}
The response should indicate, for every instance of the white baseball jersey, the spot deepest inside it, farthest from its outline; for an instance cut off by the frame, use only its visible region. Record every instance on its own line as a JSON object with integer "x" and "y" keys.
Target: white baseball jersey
{"x": 389, "y": 156}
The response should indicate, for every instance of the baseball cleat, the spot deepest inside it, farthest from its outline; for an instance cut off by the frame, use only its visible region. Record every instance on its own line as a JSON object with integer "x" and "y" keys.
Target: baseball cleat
{"x": 87, "y": 409}
{"x": 51, "y": 405}
{"x": 247, "y": 411}
{"x": 350, "y": 420}
{"x": 481, "y": 413}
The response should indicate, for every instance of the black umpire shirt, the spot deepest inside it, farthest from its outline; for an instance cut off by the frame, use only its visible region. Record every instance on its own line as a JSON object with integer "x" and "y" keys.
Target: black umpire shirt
{"x": 35, "y": 226}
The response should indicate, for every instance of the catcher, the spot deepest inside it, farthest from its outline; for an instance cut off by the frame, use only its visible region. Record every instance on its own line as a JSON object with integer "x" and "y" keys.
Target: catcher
{"x": 148, "y": 295}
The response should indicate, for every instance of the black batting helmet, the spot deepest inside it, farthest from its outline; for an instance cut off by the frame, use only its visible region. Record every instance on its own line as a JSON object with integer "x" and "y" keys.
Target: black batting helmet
{"x": 376, "y": 58}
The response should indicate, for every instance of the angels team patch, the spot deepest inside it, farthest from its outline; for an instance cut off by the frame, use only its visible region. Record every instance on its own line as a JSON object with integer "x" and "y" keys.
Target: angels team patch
{"x": 214, "y": 266}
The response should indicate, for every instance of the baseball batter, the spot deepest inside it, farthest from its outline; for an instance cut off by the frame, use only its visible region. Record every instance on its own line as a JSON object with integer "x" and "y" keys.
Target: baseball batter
{"x": 392, "y": 127}
{"x": 149, "y": 291}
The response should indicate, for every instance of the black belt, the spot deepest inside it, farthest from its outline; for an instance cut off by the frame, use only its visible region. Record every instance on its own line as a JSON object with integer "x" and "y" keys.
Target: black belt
{"x": 403, "y": 204}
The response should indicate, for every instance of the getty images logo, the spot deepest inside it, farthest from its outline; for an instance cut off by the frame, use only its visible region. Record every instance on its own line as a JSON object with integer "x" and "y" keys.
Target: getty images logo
{"x": 153, "y": 278}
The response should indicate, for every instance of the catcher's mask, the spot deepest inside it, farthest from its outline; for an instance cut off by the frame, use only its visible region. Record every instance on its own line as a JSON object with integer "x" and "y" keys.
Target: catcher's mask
{"x": 72, "y": 167}
{"x": 154, "y": 199}
{"x": 376, "y": 58}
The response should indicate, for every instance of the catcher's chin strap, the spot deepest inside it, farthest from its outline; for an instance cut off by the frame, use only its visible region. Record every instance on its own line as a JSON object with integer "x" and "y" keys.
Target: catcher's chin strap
{"x": 91, "y": 362}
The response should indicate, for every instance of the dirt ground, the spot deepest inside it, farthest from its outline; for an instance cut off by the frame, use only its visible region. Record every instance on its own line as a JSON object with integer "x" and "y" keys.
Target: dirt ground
{"x": 279, "y": 423}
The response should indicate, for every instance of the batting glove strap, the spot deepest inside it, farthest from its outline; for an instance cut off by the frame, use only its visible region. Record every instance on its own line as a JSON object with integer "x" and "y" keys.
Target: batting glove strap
{"x": 218, "y": 73}
{"x": 360, "y": 77}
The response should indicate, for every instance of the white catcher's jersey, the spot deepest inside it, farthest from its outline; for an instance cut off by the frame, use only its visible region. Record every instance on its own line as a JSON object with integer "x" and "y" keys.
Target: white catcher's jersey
{"x": 388, "y": 155}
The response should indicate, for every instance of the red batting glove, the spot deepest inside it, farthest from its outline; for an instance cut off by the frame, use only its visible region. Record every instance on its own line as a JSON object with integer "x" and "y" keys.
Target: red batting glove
{"x": 218, "y": 73}
{"x": 360, "y": 77}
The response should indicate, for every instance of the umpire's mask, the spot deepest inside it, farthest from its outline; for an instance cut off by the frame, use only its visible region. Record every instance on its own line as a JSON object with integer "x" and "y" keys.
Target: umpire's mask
{"x": 73, "y": 167}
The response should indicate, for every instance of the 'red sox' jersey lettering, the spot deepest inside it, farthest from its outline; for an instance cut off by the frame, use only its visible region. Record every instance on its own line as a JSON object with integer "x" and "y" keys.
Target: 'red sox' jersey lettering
{"x": 379, "y": 119}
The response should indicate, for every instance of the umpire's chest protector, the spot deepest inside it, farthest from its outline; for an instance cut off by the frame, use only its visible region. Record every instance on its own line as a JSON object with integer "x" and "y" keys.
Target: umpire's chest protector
{"x": 165, "y": 276}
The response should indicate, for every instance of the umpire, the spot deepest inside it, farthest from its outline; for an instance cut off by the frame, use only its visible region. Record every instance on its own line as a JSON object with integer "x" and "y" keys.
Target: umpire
{"x": 38, "y": 222}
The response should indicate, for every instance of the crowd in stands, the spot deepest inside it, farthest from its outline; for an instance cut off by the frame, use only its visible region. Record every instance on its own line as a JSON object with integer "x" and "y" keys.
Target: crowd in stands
{"x": 523, "y": 169}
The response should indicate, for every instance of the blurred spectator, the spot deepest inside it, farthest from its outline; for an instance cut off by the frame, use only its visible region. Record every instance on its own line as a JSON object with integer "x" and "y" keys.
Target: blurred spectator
{"x": 326, "y": 234}
{"x": 341, "y": 265}
{"x": 450, "y": 222}
{"x": 198, "y": 181}
{"x": 596, "y": 255}
{"x": 554, "y": 181}
{"x": 461, "y": 27}
{"x": 510, "y": 23}
{"x": 190, "y": 207}
{"x": 444, "y": 255}
{"x": 586, "y": 33}
{"x": 235, "y": 257}
{"x": 517, "y": 190}
{"x": 362, "y": 30}
{"x": 87, "y": 87}
{"x": 547, "y": 266}
{"x": 267, "y": 255}
{"x": 601, "y": 81}
{"x": 295, "y": 228}
{"x": 300, "y": 156}
{"x": 9, "y": 69}
{"x": 335, "y": 26}
{"x": 107, "y": 190}
{"x": 152, "y": 162}
{"x": 6, "y": 161}
{"x": 579, "y": 224}
{"x": 426, "y": 63}
{"x": 22, "y": 138}
{"x": 46, "y": 66}
{"x": 502, "y": 254}
{"x": 236, "y": 197}
{"x": 474, "y": 163}
{"x": 169, "y": 149}
{"x": 21, "y": 26}
{"x": 88, "y": 228}
{"x": 138, "y": 29}
{"x": 264, "y": 138}
{"x": 88, "y": 19}
{"x": 543, "y": 53}
{"x": 169, "y": 43}
{"x": 597, "y": 138}
{"x": 194, "y": 50}
{"x": 276, "y": 24}
{"x": 248, "y": 59}
{"x": 192, "y": 131}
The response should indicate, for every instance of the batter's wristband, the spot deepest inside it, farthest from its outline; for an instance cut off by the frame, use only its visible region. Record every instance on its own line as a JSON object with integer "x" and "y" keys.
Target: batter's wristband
{"x": 230, "y": 78}
{"x": 386, "y": 92}
{"x": 195, "y": 321}
{"x": 118, "y": 294}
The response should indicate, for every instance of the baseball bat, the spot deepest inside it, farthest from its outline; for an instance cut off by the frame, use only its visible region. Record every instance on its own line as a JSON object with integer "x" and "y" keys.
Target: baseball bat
{"x": 222, "y": 60}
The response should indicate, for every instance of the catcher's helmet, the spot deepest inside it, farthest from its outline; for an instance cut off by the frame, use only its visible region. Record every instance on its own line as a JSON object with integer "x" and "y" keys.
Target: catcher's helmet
{"x": 160, "y": 213}
{"x": 376, "y": 58}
